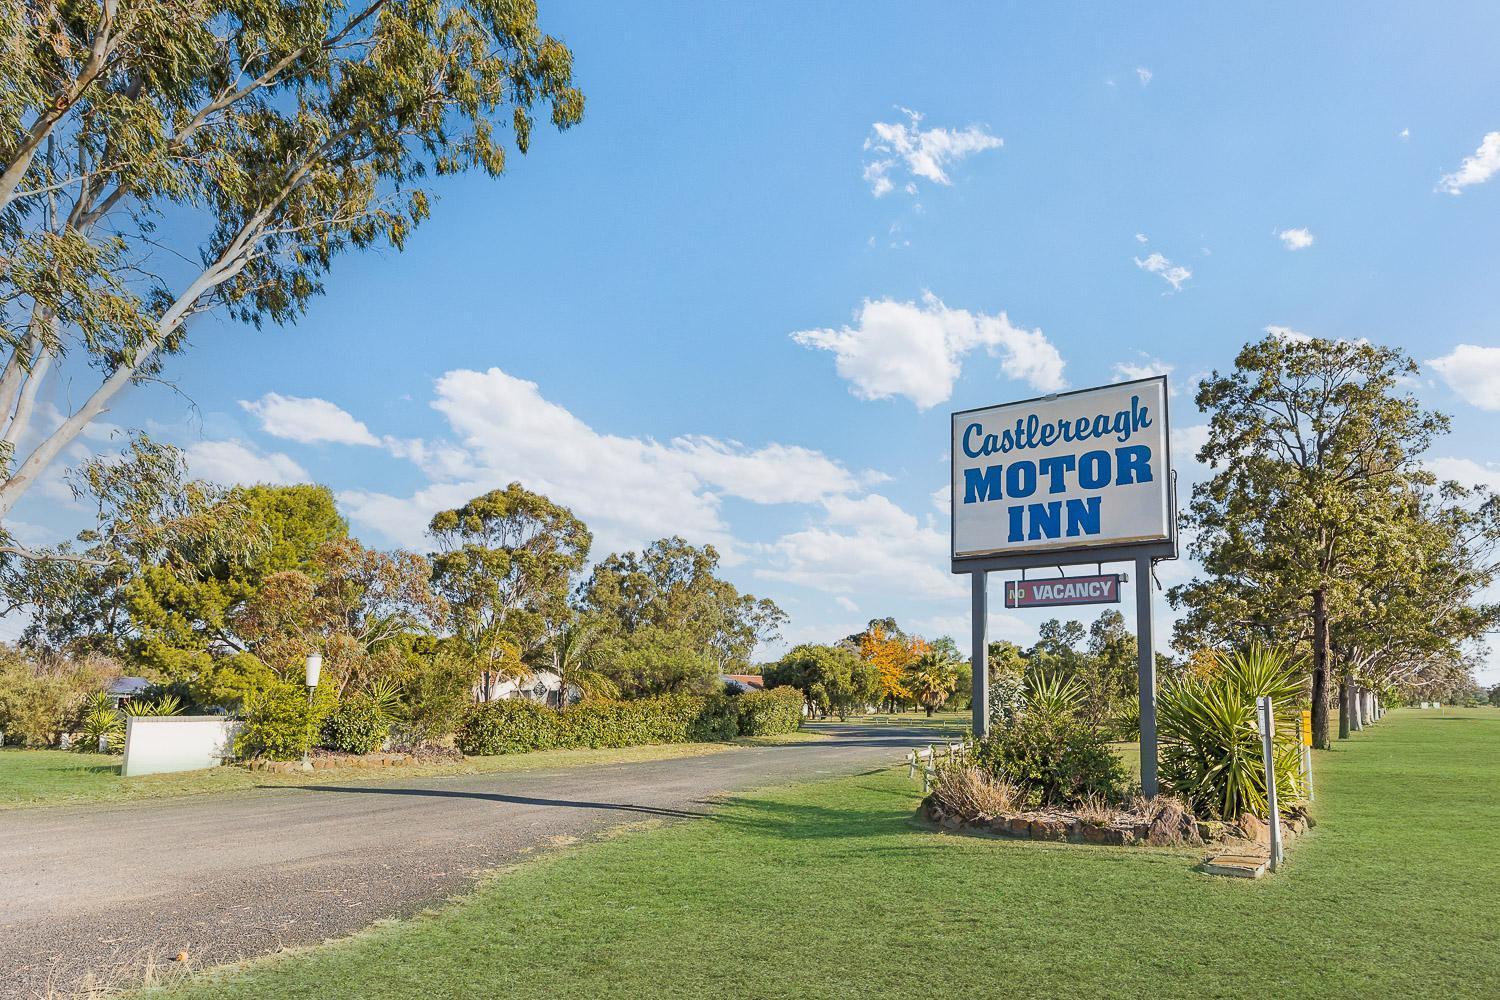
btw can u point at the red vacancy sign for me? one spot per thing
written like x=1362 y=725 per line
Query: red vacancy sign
x=1062 y=591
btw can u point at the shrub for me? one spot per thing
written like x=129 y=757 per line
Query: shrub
x=521 y=726
x=40 y=699
x=1210 y=744
x=1054 y=759
x=973 y=793
x=279 y=723
x=438 y=690
x=769 y=713
x=1007 y=695
x=356 y=726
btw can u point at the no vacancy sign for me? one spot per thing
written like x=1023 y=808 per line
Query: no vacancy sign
x=1060 y=592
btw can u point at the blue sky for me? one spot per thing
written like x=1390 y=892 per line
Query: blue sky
x=738 y=302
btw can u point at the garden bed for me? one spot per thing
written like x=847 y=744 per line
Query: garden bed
x=327 y=759
x=1120 y=828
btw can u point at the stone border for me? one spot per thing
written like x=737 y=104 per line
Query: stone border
x=324 y=761
x=1067 y=828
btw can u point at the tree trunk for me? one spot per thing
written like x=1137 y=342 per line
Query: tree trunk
x=1344 y=713
x=1357 y=703
x=1320 y=670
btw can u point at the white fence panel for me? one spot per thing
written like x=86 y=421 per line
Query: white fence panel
x=158 y=743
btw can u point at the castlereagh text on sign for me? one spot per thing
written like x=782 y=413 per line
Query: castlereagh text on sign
x=1080 y=470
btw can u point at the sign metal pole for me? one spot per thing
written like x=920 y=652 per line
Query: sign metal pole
x=980 y=625
x=1146 y=670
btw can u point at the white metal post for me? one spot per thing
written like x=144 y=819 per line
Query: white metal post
x=1267 y=727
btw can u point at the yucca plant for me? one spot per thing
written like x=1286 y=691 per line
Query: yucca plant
x=103 y=726
x=1210 y=743
x=167 y=704
x=385 y=694
x=1054 y=696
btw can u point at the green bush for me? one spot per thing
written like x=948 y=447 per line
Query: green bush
x=769 y=713
x=1054 y=759
x=356 y=726
x=1211 y=751
x=521 y=726
x=279 y=723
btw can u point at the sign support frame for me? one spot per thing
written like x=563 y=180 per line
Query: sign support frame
x=1142 y=554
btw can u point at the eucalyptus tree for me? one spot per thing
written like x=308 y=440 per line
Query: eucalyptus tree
x=1313 y=444
x=673 y=587
x=1423 y=617
x=163 y=158
x=504 y=565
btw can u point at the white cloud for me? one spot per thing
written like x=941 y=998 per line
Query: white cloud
x=1172 y=274
x=846 y=604
x=917 y=351
x=307 y=420
x=1140 y=237
x=919 y=152
x=1466 y=471
x=1474 y=169
x=234 y=462
x=865 y=544
x=1287 y=333
x=1187 y=442
x=1146 y=367
x=630 y=490
x=1473 y=372
x=1296 y=239
x=1143 y=74
x=1404 y=134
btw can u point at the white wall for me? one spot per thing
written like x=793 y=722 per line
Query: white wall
x=154 y=744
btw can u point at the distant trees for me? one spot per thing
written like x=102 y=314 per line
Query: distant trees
x=1320 y=525
x=933 y=678
x=274 y=136
x=833 y=679
x=892 y=653
x=669 y=622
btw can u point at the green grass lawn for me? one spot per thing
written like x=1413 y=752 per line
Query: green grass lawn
x=833 y=890
x=60 y=777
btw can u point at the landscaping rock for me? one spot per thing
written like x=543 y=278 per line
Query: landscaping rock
x=1020 y=826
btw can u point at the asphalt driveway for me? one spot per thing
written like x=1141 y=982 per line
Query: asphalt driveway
x=96 y=895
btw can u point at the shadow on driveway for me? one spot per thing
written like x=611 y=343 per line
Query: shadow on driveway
x=521 y=800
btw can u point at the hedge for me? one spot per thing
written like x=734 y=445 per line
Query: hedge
x=521 y=726
x=770 y=713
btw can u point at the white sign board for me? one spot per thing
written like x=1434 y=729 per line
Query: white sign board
x=1079 y=470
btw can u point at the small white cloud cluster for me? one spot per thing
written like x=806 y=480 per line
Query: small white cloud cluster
x=916 y=350
x=899 y=147
x=1474 y=169
x=1296 y=239
x=1172 y=274
x=1144 y=75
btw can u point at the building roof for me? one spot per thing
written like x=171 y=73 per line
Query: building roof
x=755 y=681
x=124 y=687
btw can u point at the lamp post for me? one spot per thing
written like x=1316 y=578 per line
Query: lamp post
x=314 y=667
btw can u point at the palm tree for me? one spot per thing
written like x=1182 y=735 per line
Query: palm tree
x=933 y=679
x=572 y=661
